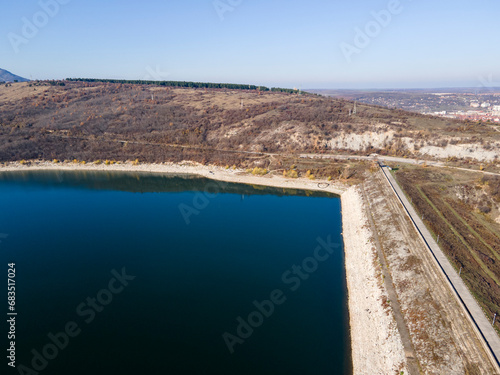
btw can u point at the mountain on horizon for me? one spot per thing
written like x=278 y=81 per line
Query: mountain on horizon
x=6 y=76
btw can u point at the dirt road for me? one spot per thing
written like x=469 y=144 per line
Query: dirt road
x=443 y=337
x=492 y=341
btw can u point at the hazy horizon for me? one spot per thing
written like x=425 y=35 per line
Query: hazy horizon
x=339 y=88
x=314 y=45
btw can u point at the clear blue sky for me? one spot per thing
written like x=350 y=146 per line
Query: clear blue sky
x=286 y=43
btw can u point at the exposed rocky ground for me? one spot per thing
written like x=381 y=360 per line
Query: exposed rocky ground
x=376 y=342
x=88 y=121
x=442 y=336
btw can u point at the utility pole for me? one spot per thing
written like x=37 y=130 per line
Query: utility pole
x=494 y=318
x=460 y=272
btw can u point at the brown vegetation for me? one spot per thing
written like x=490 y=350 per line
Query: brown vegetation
x=90 y=121
x=458 y=207
x=442 y=337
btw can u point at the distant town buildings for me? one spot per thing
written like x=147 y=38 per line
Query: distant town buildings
x=471 y=115
x=465 y=105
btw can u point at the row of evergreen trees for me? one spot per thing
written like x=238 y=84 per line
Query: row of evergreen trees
x=208 y=85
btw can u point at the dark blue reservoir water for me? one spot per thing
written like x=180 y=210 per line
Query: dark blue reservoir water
x=149 y=274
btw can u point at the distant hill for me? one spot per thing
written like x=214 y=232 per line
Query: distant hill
x=6 y=76
x=96 y=120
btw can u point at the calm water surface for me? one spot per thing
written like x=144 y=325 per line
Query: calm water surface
x=192 y=266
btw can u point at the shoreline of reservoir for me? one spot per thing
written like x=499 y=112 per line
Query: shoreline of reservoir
x=376 y=345
x=190 y=168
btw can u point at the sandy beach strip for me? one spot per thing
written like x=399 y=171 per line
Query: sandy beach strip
x=375 y=340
